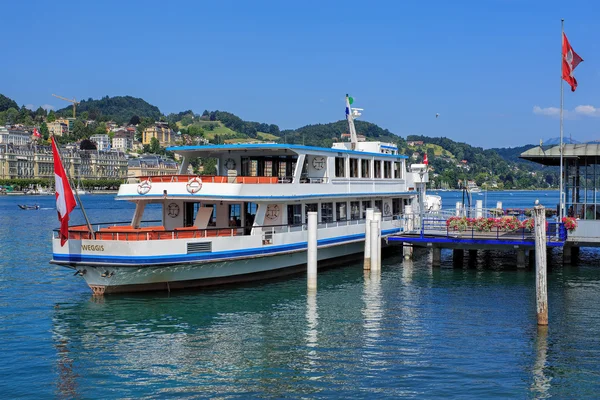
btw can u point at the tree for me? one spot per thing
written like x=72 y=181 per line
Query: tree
x=135 y=120
x=51 y=116
x=274 y=130
x=40 y=114
x=100 y=129
x=6 y=103
x=24 y=116
x=154 y=146
x=11 y=115
x=87 y=144
x=44 y=131
x=80 y=131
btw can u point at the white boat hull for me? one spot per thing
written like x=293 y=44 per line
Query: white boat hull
x=108 y=269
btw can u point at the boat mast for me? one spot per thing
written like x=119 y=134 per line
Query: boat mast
x=351 y=115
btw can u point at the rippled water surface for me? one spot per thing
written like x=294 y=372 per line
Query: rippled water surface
x=414 y=331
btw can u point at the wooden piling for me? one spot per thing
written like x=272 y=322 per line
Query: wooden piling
x=311 y=261
x=541 y=281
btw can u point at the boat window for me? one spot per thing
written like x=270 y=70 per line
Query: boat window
x=341 y=212
x=235 y=215
x=308 y=208
x=268 y=170
x=282 y=169
x=398 y=170
x=294 y=214
x=377 y=168
x=326 y=212
x=365 y=204
x=189 y=215
x=355 y=210
x=378 y=205
x=364 y=167
x=387 y=169
x=354 y=168
x=396 y=206
x=253 y=168
x=340 y=171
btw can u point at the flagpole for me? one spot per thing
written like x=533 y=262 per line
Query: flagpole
x=561 y=213
x=87 y=221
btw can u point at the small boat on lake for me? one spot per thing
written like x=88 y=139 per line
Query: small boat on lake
x=29 y=207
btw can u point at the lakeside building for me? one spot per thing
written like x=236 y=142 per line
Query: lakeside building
x=57 y=128
x=35 y=162
x=102 y=142
x=69 y=122
x=160 y=131
x=122 y=141
x=151 y=165
x=581 y=185
x=17 y=137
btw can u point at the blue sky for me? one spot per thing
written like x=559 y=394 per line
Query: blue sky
x=491 y=69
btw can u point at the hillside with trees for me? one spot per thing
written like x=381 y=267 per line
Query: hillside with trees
x=325 y=134
x=451 y=162
x=119 y=109
x=491 y=168
x=6 y=103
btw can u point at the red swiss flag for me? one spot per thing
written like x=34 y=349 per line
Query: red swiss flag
x=65 y=202
x=570 y=61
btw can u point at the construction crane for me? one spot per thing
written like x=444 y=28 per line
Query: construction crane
x=75 y=102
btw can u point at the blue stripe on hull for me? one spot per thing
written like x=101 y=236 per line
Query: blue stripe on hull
x=206 y=257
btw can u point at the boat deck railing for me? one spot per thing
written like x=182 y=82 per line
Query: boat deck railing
x=148 y=230
x=217 y=179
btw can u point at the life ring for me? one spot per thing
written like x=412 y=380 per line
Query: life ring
x=194 y=185
x=144 y=187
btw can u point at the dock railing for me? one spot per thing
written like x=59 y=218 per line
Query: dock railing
x=484 y=224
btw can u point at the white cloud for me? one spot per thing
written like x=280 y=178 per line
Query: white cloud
x=548 y=111
x=29 y=106
x=579 y=111
x=588 y=111
x=48 y=107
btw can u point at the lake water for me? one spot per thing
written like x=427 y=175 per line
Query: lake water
x=415 y=331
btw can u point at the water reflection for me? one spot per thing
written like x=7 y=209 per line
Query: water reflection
x=372 y=310
x=312 y=322
x=541 y=382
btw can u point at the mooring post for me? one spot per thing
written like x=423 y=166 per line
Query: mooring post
x=541 y=292
x=369 y=218
x=378 y=217
x=375 y=256
x=312 y=250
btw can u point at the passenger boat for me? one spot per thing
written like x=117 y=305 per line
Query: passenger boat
x=472 y=187
x=248 y=221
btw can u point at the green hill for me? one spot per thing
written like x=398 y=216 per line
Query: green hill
x=6 y=103
x=325 y=134
x=119 y=109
